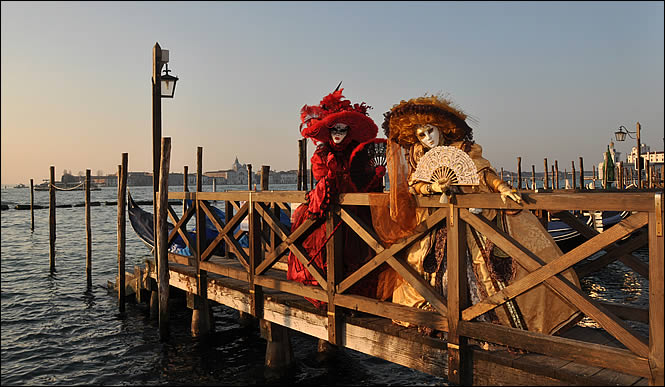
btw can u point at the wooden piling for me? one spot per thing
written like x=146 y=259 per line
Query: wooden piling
x=122 y=199
x=279 y=353
x=556 y=173
x=200 y=313
x=502 y=174
x=519 y=172
x=533 y=177
x=185 y=188
x=303 y=160
x=582 y=186
x=572 y=174
x=88 y=232
x=300 y=171
x=161 y=245
x=593 y=174
x=647 y=174
x=51 y=220
x=32 y=205
x=545 y=175
x=553 y=183
x=249 y=177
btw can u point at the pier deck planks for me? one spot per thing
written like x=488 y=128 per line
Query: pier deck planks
x=380 y=337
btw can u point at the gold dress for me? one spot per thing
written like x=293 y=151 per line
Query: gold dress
x=537 y=310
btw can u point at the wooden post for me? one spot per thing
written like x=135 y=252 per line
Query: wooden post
x=88 y=232
x=311 y=177
x=572 y=174
x=533 y=177
x=647 y=174
x=593 y=174
x=32 y=205
x=458 y=370
x=554 y=184
x=185 y=188
x=656 y=292
x=304 y=164
x=279 y=353
x=51 y=221
x=156 y=136
x=620 y=177
x=556 y=173
x=502 y=174
x=300 y=171
x=201 y=313
x=122 y=199
x=162 y=238
x=519 y=172
x=545 y=176
x=249 y=177
x=582 y=173
x=255 y=258
x=335 y=263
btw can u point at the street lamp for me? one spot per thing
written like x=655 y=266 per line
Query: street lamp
x=620 y=135
x=163 y=86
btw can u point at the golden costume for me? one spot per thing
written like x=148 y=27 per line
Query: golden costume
x=488 y=268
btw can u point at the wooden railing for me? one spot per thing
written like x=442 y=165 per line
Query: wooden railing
x=270 y=242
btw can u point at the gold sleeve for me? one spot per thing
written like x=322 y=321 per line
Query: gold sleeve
x=494 y=182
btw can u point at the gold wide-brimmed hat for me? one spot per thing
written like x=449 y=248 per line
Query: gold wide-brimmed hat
x=401 y=121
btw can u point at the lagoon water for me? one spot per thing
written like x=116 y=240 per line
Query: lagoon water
x=55 y=331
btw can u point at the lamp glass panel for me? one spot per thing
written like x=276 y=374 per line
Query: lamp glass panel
x=620 y=136
x=168 y=88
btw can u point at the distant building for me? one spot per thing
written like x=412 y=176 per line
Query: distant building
x=653 y=158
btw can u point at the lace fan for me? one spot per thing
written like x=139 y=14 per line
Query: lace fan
x=447 y=162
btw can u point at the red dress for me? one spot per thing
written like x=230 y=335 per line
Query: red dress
x=330 y=167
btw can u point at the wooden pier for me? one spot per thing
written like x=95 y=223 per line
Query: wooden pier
x=253 y=281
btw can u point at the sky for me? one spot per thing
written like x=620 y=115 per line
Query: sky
x=541 y=80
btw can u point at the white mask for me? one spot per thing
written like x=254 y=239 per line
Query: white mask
x=339 y=132
x=428 y=135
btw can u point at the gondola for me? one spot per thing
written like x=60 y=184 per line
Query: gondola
x=142 y=223
x=568 y=238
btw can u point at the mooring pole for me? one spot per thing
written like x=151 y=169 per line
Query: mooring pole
x=162 y=237
x=32 y=205
x=572 y=173
x=200 y=325
x=519 y=172
x=582 y=173
x=185 y=188
x=533 y=177
x=51 y=220
x=249 y=177
x=546 y=178
x=122 y=192
x=88 y=232
x=300 y=172
x=156 y=135
x=556 y=172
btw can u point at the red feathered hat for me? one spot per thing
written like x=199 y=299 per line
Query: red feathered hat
x=317 y=120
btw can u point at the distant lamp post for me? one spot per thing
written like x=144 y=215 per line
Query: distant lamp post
x=620 y=135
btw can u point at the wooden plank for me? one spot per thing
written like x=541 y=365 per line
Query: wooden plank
x=613 y=378
x=656 y=292
x=383 y=255
x=225 y=270
x=414 y=279
x=291 y=287
x=531 y=262
x=394 y=311
x=580 y=352
x=635 y=242
x=557 y=283
x=588 y=233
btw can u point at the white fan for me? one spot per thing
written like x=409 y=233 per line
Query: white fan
x=447 y=162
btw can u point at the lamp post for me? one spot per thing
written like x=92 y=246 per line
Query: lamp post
x=620 y=135
x=163 y=86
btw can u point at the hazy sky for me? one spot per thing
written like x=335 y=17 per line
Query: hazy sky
x=541 y=79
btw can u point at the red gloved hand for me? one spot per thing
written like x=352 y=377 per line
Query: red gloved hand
x=380 y=171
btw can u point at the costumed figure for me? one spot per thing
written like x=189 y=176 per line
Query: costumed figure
x=413 y=128
x=340 y=130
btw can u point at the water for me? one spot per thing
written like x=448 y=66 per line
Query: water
x=56 y=331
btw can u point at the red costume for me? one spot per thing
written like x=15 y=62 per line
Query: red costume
x=334 y=174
